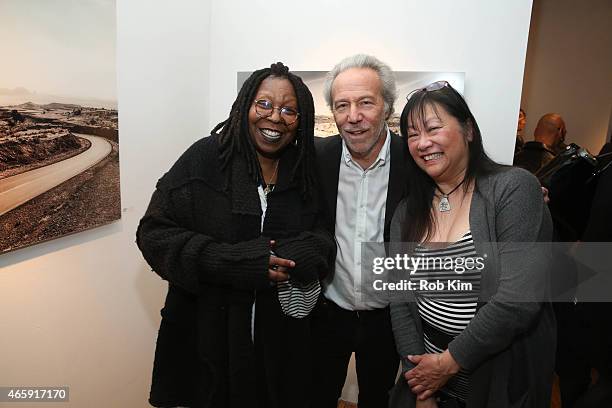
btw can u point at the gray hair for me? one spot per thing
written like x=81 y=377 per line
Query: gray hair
x=387 y=80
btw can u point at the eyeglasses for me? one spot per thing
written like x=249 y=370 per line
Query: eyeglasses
x=264 y=108
x=434 y=86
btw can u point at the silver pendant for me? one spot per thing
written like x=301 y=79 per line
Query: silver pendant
x=268 y=189
x=444 y=205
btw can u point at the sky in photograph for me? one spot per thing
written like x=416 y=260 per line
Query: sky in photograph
x=63 y=48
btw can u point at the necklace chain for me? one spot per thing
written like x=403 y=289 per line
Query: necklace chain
x=444 y=205
x=269 y=189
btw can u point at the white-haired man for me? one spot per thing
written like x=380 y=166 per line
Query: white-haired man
x=362 y=172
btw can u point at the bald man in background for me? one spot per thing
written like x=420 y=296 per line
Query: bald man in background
x=549 y=140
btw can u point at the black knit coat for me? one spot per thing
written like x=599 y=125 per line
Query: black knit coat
x=202 y=233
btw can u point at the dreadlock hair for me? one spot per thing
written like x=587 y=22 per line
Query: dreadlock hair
x=234 y=137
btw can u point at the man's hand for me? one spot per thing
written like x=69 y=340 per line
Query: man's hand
x=545 y=194
x=432 y=371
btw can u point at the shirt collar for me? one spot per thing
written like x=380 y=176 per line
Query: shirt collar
x=383 y=155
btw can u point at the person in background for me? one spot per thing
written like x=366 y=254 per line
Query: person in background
x=606 y=148
x=234 y=228
x=598 y=315
x=480 y=346
x=549 y=137
x=520 y=140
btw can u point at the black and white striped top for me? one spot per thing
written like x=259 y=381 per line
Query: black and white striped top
x=446 y=312
x=296 y=300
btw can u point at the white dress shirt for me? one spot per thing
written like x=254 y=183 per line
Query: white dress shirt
x=360 y=217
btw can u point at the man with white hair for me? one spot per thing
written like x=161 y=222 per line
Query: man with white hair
x=363 y=176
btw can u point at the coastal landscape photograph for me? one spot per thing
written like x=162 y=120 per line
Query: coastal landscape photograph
x=59 y=138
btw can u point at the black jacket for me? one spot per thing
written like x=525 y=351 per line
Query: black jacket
x=533 y=156
x=202 y=233
x=329 y=152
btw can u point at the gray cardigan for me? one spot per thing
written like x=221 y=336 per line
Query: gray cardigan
x=509 y=345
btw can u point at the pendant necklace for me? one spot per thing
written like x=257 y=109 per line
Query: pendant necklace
x=269 y=186
x=444 y=205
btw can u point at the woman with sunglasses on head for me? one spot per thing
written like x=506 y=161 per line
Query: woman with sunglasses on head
x=490 y=343
x=234 y=228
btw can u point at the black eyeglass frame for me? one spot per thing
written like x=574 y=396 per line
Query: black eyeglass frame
x=280 y=111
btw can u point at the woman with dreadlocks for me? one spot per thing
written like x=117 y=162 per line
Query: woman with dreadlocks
x=234 y=227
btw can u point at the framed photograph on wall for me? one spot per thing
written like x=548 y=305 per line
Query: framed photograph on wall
x=59 y=139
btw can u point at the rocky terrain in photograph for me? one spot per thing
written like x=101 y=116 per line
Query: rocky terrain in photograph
x=87 y=200
x=325 y=125
x=33 y=136
x=394 y=124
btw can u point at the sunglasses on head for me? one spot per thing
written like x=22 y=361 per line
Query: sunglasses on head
x=434 y=86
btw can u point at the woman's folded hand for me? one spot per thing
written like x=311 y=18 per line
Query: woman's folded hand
x=432 y=371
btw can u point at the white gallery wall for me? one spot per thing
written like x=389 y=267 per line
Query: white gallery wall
x=83 y=311
x=485 y=39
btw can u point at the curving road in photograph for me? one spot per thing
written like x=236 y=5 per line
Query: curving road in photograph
x=18 y=189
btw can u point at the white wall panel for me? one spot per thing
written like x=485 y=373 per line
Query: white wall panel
x=83 y=310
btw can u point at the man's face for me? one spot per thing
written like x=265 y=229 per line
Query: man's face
x=522 y=120
x=359 y=111
x=562 y=133
x=559 y=140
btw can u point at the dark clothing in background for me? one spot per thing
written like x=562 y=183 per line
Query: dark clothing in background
x=607 y=148
x=598 y=315
x=519 y=144
x=533 y=156
x=559 y=148
x=599 y=229
x=585 y=329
